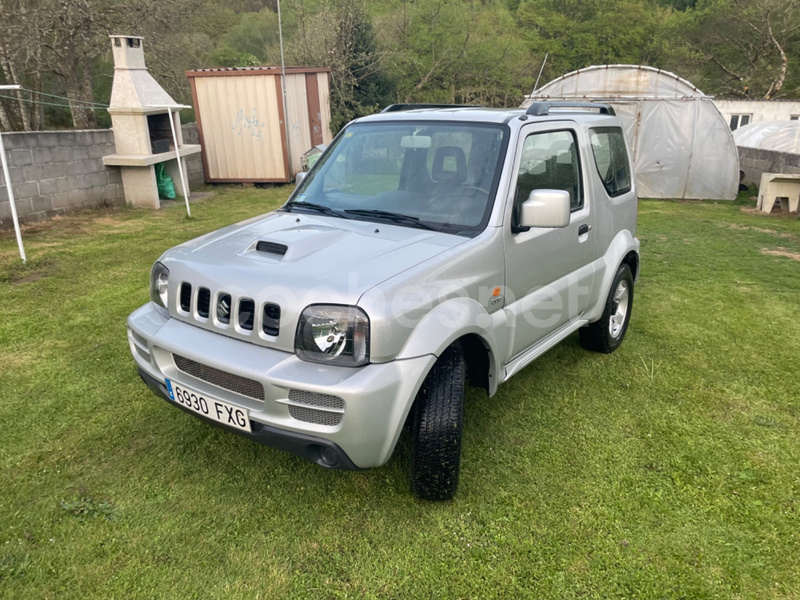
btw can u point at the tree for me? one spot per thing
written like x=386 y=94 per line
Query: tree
x=20 y=57
x=252 y=41
x=60 y=43
x=742 y=47
x=456 y=51
x=338 y=34
x=581 y=33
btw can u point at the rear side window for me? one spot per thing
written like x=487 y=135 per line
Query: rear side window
x=611 y=159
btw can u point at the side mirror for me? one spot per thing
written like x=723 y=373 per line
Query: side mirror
x=298 y=179
x=545 y=208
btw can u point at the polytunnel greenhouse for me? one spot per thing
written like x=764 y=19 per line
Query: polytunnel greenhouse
x=681 y=145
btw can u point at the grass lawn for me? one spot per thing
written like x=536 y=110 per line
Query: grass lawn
x=670 y=469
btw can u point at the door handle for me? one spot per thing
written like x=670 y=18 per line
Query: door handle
x=584 y=229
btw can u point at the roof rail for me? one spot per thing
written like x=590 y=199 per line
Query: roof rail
x=417 y=106
x=542 y=109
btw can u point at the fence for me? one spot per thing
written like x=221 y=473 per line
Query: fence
x=54 y=172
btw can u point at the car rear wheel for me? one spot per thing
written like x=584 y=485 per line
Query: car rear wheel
x=436 y=428
x=606 y=334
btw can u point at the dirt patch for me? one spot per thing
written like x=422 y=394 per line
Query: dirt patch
x=775 y=214
x=738 y=227
x=28 y=278
x=781 y=252
x=16 y=273
x=780 y=234
x=77 y=222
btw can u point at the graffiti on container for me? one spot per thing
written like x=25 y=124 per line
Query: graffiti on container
x=244 y=125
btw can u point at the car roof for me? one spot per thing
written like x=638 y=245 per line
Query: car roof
x=479 y=114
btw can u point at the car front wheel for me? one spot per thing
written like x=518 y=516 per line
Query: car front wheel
x=436 y=428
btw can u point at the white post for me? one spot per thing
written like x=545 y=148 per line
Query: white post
x=184 y=181
x=536 y=85
x=283 y=87
x=11 y=201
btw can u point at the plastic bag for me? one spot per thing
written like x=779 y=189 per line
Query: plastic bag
x=166 y=187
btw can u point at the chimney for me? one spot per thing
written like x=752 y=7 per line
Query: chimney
x=133 y=86
x=146 y=124
x=128 y=52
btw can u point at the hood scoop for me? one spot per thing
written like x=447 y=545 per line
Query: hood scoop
x=294 y=244
x=271 y=248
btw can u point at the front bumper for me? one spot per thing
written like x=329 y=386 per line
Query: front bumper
x=376 y=398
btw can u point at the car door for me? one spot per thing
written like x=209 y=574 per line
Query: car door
x=549 y=271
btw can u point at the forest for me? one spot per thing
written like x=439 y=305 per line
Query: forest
x=485 y=52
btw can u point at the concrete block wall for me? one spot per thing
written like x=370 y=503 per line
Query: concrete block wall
x=54 y=172
x=194 y=164
x=754 y=162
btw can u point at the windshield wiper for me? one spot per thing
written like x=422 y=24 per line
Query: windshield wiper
x=327 y=210
x=389 y=216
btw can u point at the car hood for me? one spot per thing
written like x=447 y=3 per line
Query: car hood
x=294 y=260
x=302 y=251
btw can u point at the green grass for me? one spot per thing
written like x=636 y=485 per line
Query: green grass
x=670 y=469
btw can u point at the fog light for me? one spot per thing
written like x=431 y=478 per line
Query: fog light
x=329 y=456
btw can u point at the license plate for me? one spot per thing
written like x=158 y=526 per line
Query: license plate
x=214 y=409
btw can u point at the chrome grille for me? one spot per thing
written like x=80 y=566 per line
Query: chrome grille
x=234 y=383
x=200 y=304
x=318 y=417
x=318 y=400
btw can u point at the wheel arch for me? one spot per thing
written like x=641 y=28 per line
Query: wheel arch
x=465 y=322
x=632 y=260
x=479 y=360
x=624 y=249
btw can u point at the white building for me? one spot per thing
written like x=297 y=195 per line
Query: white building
x=741 y=112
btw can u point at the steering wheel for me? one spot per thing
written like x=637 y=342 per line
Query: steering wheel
x=458 y=202
x=462 y=191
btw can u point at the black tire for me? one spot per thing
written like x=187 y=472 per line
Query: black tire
x=606 y=334
x=436 y=429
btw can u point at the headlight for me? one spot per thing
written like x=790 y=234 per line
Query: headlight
x=159 y=277
x=334 y=335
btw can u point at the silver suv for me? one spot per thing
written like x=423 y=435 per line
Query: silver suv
x=428 y=248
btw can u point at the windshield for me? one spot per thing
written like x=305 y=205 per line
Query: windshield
x=430 y=175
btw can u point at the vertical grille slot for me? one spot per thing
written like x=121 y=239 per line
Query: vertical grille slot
x=272 y=319
x=186 y=297
x=224 y=308
x=246 y=313
x=203 y=302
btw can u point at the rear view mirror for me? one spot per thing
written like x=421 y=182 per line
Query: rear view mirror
x=545 y=208
x=415 y=141
x=298 y=179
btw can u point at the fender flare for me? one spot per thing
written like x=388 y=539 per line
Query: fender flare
x=452 y=320
x=623 y=244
